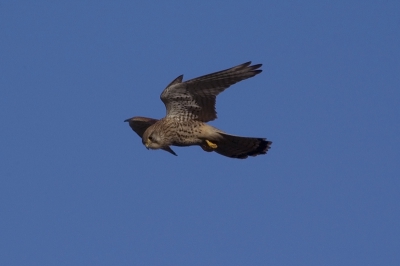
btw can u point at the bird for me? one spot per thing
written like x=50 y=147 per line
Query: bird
x=190 y=105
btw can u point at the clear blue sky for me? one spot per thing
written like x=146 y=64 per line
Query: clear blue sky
x=79 y=188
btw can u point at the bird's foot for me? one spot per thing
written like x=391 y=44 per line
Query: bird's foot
x=211 y=145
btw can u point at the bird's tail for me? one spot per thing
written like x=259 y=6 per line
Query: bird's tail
x=241 y=147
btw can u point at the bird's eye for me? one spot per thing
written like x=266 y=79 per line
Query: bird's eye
x=151 y=138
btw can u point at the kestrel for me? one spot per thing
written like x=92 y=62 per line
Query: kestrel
x=190 y=104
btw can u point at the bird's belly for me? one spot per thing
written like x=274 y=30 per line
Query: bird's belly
x=184 y=138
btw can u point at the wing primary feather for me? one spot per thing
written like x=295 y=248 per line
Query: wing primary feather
x=168 y=149
x=176 y=81
x=194 y=99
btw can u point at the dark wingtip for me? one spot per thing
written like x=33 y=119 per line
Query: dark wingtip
x=168 y=149
x=254 y=69
x=172 y=152
x=258 y=71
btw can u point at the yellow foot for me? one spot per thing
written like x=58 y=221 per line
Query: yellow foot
x=211 y=145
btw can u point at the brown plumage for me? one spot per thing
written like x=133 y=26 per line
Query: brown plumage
x=189 y=105
x=242 y=147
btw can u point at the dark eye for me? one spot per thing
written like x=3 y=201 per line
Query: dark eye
x=151 y=138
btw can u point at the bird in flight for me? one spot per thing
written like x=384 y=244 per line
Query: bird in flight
x=190 y=104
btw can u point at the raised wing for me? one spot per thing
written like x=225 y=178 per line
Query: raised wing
x=195 y=99
x=139 y=124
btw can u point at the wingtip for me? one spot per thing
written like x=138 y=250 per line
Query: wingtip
x=176 y=81
x=168 y=149
x=251 y=68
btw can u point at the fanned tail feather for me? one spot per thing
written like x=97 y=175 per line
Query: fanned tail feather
x=242 y=147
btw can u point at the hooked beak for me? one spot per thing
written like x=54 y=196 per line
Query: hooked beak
x=146 y=144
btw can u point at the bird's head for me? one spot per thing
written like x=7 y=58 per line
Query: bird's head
x=152 y=139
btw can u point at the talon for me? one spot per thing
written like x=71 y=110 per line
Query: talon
x=206 y=148
x=211 y=145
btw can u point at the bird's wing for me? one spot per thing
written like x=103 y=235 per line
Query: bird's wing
x=195 y=99
x=140 y=124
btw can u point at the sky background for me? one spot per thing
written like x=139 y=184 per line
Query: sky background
x=77 y=187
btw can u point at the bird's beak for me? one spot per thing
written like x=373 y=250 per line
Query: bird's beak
x=146 y=144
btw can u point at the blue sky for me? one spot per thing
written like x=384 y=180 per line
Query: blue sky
x=79 y=188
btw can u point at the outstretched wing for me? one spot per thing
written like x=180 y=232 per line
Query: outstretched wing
x=195 y=99
x=139 y=124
